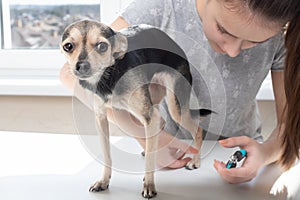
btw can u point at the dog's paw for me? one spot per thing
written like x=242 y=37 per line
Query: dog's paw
x=193 y=164
x=99 y=186
x=149 y=191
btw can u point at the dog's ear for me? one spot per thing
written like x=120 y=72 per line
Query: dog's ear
x=120 y=46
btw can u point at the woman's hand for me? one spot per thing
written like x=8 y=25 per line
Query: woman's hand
x=256 y=157
x=67 y=78
x=171 y=151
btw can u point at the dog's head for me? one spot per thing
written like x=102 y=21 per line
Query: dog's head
x=90 y=47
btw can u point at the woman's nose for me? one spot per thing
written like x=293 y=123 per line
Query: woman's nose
x=233 y=48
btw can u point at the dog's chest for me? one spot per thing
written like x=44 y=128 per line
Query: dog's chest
x=105 y=85
x=99 y=106
x=110 y=95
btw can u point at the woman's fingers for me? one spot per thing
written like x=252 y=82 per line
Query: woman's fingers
x=240 y=141
x=179 y=163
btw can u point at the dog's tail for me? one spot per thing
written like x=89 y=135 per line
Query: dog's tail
x=201 y=112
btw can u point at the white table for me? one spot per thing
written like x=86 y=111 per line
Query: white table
x=37 y=166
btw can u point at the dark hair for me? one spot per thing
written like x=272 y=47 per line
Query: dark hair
x=284 y=12
x=275 y=10
x=278 y=11
x=291 y=134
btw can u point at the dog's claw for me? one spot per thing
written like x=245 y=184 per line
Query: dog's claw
x=99 y=186
x=193 y=164
x=191 y=167
x=149 y=191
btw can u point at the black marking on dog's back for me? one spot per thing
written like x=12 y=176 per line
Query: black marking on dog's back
x=113 y=74
x=146 y=47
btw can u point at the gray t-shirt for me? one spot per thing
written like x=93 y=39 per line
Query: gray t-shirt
x=226 y=85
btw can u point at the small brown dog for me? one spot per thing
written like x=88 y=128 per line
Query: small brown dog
x=118 y=67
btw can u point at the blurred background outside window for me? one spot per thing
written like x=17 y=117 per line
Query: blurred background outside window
x=39 y=24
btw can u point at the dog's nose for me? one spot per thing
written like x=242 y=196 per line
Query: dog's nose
x=83 y=67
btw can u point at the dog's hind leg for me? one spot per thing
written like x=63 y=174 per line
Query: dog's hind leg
x=103 y=131
x=196 y=160
x=183 y=117
x=178 y=105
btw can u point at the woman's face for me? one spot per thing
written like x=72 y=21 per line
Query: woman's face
x=230 y=31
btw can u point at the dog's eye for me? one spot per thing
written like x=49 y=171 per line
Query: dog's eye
x=102 y=47
x=68 y=47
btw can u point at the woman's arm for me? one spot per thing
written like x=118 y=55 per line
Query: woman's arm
x=259 y=154
x=273 y=143
x=119 y=24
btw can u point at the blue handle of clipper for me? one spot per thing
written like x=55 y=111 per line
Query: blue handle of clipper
x=244 y=152
x=235 y=158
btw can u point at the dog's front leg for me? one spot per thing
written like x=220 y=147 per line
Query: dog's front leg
x=152 y=129
x=103 y=131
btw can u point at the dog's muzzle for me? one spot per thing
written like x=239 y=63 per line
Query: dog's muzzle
x=83 y=69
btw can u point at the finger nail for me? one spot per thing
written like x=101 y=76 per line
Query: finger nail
x=222 y=141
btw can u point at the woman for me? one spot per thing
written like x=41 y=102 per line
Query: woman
x=245 y=41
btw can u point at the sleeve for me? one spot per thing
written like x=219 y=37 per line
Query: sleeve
x=150 y=12
x=279 y=59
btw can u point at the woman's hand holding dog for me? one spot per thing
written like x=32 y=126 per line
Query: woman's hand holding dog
x=171 y=151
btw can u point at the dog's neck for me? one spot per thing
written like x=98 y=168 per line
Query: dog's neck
x=102 y=85
x=105 y=83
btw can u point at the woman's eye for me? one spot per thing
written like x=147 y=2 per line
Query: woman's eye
x=221 y=30
x=102 y=47
x=68 y=47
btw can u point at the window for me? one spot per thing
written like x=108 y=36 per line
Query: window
x=30 y=32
